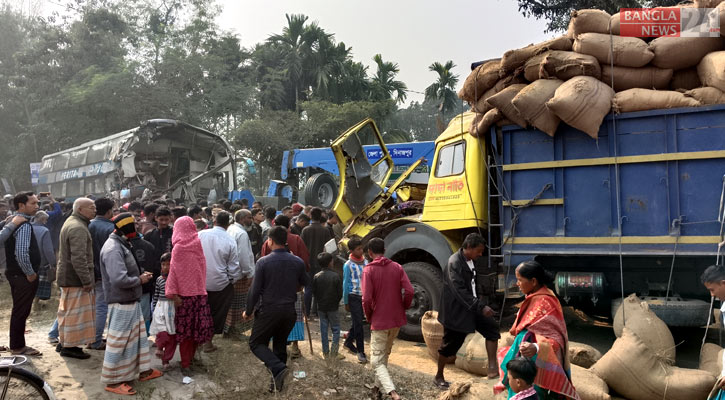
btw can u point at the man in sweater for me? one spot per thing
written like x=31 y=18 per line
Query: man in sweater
x=383 y=282
x=100 y=228
x=77 y=306
x=315 y=235
x=327 y=289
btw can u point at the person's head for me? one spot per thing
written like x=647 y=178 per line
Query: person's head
x=257 y=204
x=245 y=203
x=522 y=372
x=355 y=246
x=165 y=263
x=223 y=219
x=257 y=215
x=297 y=209
x=315 y=214
x=206 y=212
x=41 y=217
x=281 y=220
x=714 y=280
x=125 y=225
x=531 y=276
x=332 y=218
x=104 y=207
x=324 y=260
x=302 y=220
x=376 y=248
x=234 y=208
x=473 y=246
x=194 y=212
x=85 y=207
x=277 y=237
x=203 y=203
x=243 y=217
x=134 y=207
x=178 y=212
x=200 y=225
x=4 y=208
x=163 y=217
x=170 y=203
x=270 y=213
x=288 y=212
x=149 y=211
x=307 y=210
x=27 y=203
x=227 y=205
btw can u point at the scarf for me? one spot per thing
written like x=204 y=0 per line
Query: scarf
x=187 y=273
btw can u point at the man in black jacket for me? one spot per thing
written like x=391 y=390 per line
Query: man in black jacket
x=461 y=311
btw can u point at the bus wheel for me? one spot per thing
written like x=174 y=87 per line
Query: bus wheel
x=427 y=281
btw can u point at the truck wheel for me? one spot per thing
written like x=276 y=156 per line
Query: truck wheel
x=321 y=191
x=427 y=281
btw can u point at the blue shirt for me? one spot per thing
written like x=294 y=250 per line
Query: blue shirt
x=351 y=278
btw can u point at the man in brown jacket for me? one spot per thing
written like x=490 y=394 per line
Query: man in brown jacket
x=77 y=307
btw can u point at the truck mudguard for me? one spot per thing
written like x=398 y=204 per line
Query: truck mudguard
x=420 y=237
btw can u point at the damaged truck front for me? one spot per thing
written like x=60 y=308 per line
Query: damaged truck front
x=159 y=158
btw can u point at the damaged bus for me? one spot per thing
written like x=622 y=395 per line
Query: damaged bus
x=159 y=158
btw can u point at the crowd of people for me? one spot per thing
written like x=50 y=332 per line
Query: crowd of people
x=185 y=274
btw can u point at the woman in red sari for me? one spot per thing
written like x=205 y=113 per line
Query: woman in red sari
x=541 y=334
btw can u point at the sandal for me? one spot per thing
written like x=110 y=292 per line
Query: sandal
x=123 y=389
x=155 y=373
x=27 y=351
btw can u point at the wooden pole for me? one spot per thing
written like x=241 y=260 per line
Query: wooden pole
x=307 y=324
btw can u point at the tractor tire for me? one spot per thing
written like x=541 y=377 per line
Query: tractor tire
x=427 y=281
x=321 y=191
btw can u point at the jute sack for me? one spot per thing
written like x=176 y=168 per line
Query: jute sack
x=481 y=106
x=614 y=24
x=561 y=65
x=585 y=21
x=480 y=80
x=707 y=3
x=432 y=333
x=682 y=52
x=707 y=95
x=472 y=356
x=685 y=79
x=629 y=78
x=506 y=339
x=502 y=101
x=711 y=70
x=582 y=102
x=483 y=122
x=583 y=355
x=645 y=99
x=631 y=369
x=514 y=59
x=643 y=322
x=588 y=385
x=711 y=359
x=628 y=51
x=530 y=102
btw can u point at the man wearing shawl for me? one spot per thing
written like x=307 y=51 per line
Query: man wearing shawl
x=186 y=285
x=127 y=355
x=541 y=334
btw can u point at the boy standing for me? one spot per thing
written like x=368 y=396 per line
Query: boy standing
x=327 y=289
x=352 y=273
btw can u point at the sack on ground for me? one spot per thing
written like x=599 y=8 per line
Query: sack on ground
x=502 y=101
x=472 y=356
x=685 y=79
x=514 y=59
x=506 y=340
x=583 y=355
x=643 y=322
x=530 y=102
x=633 y=371
x=561 y=65
x=628 y=51
x=682 y=52
x=629 y=78
x=711 y=70
x=584 y=21
x=707 y=96
x=432 y=333
x=482 y=123
x=582 y=102
x=588 y=385
x=480 y=80
x=646 y=99
x=711 y=359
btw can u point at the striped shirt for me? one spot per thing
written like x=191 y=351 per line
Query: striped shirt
x=351 y=278
x=22 y=246
x=159 y=291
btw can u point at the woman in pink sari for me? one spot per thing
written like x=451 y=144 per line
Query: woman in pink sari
x=186 y=285
x=541 y=335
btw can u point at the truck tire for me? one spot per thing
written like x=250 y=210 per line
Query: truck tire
x=320 y=191
x=427 y=281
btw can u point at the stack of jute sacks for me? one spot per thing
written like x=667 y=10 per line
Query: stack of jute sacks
x=582 y=76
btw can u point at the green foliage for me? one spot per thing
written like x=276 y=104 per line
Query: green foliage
x=557 y=12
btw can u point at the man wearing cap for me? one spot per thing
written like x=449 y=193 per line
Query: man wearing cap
x=77 y=306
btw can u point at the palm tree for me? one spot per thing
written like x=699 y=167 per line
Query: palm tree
x=443 y=90
x=295 y=47
x=384 y=83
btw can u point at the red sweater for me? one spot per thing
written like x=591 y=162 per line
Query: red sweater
x=296 y=246
x=382 y=282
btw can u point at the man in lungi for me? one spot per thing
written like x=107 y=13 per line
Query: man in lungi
x=77 y=306
x=127 y=355
x=246 y=264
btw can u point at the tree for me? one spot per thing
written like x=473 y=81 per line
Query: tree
x=383 y=85
x=294 y=45
x=443 y=90
x=558 y=12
